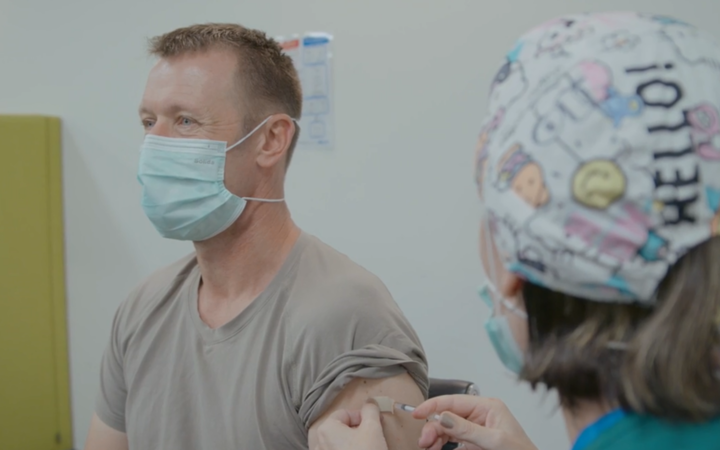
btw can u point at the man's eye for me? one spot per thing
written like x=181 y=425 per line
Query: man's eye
x=148 y=123
x=186 y=121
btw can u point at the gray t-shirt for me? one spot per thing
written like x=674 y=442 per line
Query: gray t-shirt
x=258 y=382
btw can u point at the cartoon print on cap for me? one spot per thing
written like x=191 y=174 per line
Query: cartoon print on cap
x=531 y=263
x=622 y=236
x=595 y=78
x=664 y=19
x=511 y=77
x=559 y=33
x=584 y=93
x=615 y=121
x=690 y=46
x=506 y=242
x=621 y=40
x=524 y=176
x=481 y=150
x=503 y=234
x=598 y=184
x=514 y=54
x=704 y=122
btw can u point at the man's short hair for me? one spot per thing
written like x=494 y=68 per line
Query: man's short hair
x=267 y=76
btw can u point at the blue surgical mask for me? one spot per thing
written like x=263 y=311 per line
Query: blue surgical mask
x=184 y=193
x=500 y=333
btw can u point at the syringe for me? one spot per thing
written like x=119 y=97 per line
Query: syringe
x=408 y=408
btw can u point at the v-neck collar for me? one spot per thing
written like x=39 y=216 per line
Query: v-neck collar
x=236 y=324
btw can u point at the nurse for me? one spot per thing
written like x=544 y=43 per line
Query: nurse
x=599 y=174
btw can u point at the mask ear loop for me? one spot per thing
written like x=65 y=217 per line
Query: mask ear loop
x=264 y=200
x=492 y=276
x=227 y=149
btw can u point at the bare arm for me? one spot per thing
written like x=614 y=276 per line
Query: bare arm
x=103 y=437
x=401 y=430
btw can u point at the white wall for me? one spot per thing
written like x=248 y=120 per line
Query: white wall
x=397 y=194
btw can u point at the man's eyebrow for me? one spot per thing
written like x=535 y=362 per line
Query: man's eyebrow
x=172 y=109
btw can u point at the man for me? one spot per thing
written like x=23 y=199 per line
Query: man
x=264 y=331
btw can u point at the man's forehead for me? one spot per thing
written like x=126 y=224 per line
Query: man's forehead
x=191 y=81
x=198 y=69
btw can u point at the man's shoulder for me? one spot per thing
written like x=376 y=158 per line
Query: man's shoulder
x=326 y=270
x=330 y=288
x=154 y=289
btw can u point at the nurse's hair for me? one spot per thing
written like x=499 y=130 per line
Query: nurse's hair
x=662 y=361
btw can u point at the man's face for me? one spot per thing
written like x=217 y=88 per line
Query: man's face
x=197 y=96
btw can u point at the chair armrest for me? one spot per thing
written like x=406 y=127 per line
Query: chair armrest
x=440 y=387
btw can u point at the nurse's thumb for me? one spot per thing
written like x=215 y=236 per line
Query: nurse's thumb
x=461 y=430
x=370 y=415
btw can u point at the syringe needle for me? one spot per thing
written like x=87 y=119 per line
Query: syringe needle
x=408 y=408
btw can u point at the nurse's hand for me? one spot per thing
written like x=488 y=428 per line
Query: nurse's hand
x=480 y=423
x=352 y=430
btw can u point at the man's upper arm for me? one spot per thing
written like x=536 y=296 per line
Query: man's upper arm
x=103 y=437
x=401 y=430
x=111 y=397
x=351 y=341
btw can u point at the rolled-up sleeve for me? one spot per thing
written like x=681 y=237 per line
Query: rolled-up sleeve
x=372 y=362
x=361 y=334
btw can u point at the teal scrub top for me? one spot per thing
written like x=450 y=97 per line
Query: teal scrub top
x=620 y=430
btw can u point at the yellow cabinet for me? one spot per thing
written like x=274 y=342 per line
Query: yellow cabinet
x=34 y=385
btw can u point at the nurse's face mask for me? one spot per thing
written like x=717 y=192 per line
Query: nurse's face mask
x=497 y=326
x=183 y=187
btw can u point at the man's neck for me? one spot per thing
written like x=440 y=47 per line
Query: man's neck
x=582 y=416
x=238 y=264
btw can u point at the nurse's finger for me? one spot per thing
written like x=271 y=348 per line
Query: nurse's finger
x=461 y=430
x=433 y=437
x=346 y=417
x=370 y=416
x=431 y=433
x=462 y=405
x=438 y=445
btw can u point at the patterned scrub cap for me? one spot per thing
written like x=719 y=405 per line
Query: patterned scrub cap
x=599 y=164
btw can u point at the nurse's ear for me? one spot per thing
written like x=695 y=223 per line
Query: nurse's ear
x=511 y=286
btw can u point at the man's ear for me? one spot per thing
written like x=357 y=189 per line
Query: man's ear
x=278 y=135
x=512 y=286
